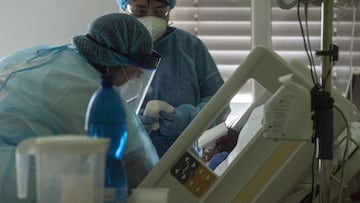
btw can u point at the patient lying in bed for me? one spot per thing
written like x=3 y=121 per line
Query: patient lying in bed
x=219 y=142
x=216 y=151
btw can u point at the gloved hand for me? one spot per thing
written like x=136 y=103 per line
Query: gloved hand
x=148 y=122
x=174 y=123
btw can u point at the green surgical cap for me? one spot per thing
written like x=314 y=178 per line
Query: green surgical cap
x=114 y=40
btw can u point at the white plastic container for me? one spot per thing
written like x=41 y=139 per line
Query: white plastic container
x=69 y=168
x=149 y=195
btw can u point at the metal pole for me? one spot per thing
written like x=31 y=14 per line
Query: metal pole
x=326 y=34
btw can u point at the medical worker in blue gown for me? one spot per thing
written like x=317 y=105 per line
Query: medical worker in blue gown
x=45 y=91
x=187 y=75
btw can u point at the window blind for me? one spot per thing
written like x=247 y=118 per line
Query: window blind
x=225 y=28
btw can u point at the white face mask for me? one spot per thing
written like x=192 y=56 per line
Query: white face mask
x=156 y=26
x=130 y=91
x=134 y=90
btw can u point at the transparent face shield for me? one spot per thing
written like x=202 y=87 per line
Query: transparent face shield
x=134 y=91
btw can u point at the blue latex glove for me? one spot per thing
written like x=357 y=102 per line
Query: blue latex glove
x=174 y=123
x=217 y=159
x=147 y=122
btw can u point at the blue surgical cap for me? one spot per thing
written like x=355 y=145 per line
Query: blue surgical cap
x=115 y=40
x=124 y=3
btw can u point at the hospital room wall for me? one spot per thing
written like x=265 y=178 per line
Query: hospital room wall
x=26 y=23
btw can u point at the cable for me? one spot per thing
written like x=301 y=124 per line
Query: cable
x=352 y=140
x=349 y=85
x=342 y=169
x=328 y=74
x=312 y=68
x=308 y=51
x=332 y=53
x=314 y=170
x=311 y=59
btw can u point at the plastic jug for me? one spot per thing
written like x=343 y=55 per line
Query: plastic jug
x=69 y=168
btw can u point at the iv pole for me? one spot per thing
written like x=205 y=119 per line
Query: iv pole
x=325 y=145
x=261 y=15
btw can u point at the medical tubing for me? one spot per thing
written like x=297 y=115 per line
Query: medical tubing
x=40 y=53
x=306 y=44
x=345 y=154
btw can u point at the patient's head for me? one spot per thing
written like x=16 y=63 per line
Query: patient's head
x=225 y=143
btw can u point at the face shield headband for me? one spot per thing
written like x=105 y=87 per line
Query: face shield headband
x=145 y=61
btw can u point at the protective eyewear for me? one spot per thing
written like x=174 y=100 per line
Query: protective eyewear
x=137 y=11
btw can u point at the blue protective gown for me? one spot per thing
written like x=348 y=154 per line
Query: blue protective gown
x=50 y=97
x=187 y=74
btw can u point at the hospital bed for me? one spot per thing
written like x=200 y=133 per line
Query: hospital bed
x=271 y=158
